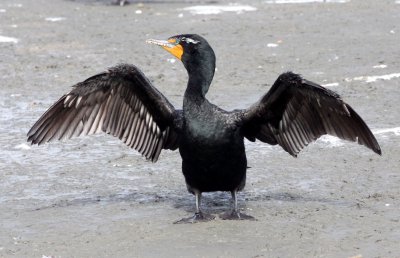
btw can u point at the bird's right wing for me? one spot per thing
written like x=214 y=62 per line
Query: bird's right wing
x=121 y=102
x=296 y=112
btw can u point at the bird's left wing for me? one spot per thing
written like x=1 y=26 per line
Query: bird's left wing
x=295 y=112
x=121 y=102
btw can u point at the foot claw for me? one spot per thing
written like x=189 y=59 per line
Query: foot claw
x=235 y=215
x=197 y=217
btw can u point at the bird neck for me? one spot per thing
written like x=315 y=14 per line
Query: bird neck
x=200 y=78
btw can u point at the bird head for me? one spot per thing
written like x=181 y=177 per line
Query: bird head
x=189 y=48
x=196 y=55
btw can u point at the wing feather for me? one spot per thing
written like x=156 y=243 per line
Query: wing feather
x=121 y=102
x=296 y=112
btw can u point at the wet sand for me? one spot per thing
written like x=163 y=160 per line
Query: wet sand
x=94 y=197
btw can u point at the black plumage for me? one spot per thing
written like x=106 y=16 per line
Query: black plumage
x=123 y=102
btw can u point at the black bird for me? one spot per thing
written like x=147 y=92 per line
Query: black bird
x=124 y=103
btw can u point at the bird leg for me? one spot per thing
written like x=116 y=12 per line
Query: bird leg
x=235 y=214
x=199 y=216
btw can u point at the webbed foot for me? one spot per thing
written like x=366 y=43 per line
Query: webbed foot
x=197 y=217
x=236 y=215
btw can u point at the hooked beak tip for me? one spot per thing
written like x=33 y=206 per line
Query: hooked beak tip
x=162 y=43
x=150 y=41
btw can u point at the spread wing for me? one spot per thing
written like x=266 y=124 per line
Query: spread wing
x=295 y=112
x=121 y=102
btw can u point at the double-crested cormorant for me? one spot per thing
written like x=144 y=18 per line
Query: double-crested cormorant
x=124 y=103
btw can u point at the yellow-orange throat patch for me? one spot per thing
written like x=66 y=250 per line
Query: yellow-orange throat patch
x=176 y=50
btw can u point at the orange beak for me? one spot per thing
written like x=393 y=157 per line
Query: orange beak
x=170 y=45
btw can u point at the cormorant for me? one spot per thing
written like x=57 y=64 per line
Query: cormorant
x=123 y=102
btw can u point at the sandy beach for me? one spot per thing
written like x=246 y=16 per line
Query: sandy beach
x=95 y=197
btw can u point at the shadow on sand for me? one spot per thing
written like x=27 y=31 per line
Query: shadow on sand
x=215 y=202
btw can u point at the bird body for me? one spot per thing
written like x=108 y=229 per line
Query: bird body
x=124 y=103
x=212 y=149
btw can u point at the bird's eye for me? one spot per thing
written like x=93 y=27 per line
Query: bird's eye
x=174 y=41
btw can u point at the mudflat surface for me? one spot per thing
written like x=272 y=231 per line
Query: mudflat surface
x=94 y=197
